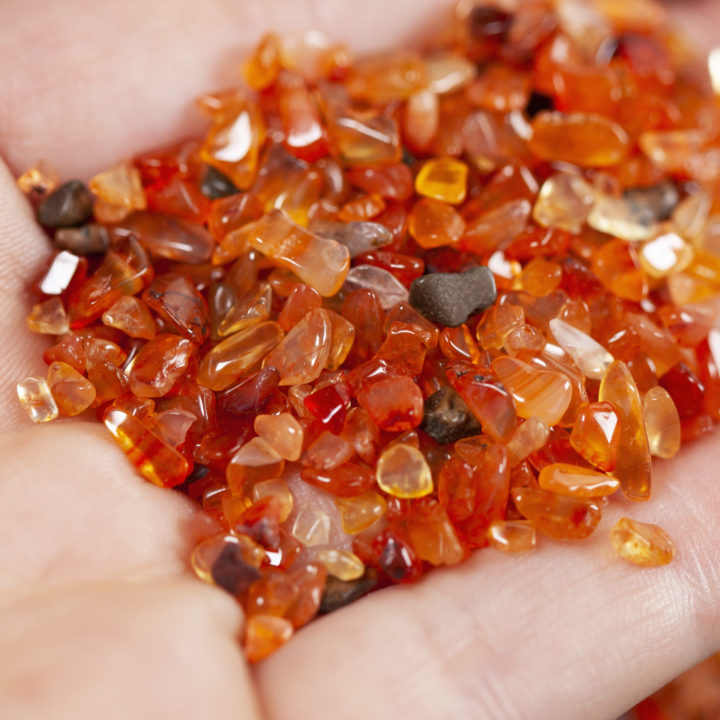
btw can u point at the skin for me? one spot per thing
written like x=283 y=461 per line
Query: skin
x=99 y=615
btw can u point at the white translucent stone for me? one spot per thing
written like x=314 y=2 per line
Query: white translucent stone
x=714 y=67
x=591 y=357
x=616 y=216
x=665 y=254
x=565 y=201
x=385 y=285
x=311 y=526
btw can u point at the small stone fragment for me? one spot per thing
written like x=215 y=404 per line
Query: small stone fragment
x=642 y=543
x=216 y=185
x=443 y=179
x=49 y=318
x=90 y=239
x=512 y=535
x=339 y=593
x=446 y=418
x=403 y=472
x=358 y=236
x=341 y=564
x=450 y=298
x=662 y=423
x=71 y=204
x=37 y=400
x=73 y=393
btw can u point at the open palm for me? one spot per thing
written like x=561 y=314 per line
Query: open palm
x=99 y=614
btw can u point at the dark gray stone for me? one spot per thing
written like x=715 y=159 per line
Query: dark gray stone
x=451 y=298
x=90 y=239
x=654 y=203
x=339 y=593
x=71 y=204
x=447 y=419
x=216 y=184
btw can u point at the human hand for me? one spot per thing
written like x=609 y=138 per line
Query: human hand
x=99 y=615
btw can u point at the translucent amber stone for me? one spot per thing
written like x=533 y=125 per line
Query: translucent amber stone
x=73 y=393
x=159 y=365
x=341 y=564
x=403 y=472
x=662 y=423
x=264 y=634
x=584 y=140
x=443 y=179
x=262 y=67
x=433 y=223
x=156 y=461
x=254 y=462
x=542 y=394
x=488 y=400
x=529 y=437
x=132 y=316
x=311 y=526
x=642 y=543
x=617 y=266
x=38 y=181
x=37 y=400
x=596 y=434
x=360 y=512
x=619 y=217
x=576 y=481
x=512 y=535
x=250 y=309
x=49 y=318
x=233 y=143
x=302 y=354
x=486 y=232
x=328 y=451
x=385 y=78
x=120 y=187
x=564 y=202
x=500 y=89
x=235 y=355
x=169 y=237
x=343 y=337
x=278 y=489
x=283 y=432
x=421 y=119
x=632 y=467
x=394 y=181
x=362 y=208
x=557 y=516
x=301 y=300
x=346 y=480
x=591 y=357
x=394 y=404
x=361 y=138
x=433 y=536
x=177 y=301
x=540 y=277
x=320 y=262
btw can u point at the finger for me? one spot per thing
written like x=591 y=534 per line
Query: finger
x=23 y=248
x=75 y=511
x=124 y=650
x=94 y=82
x=566 y=632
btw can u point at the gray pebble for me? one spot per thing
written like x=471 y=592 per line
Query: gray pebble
x=71 y=204
x=88 y=239
x=339 y=593
x=447 y=419
x=451 y=298
x=358 y=237
x=216 y=185
x=654 y=203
